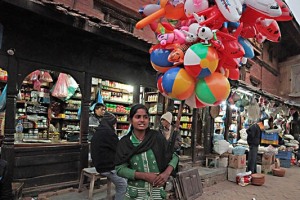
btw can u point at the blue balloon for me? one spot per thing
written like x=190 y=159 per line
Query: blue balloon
x=249 y=52
x=160 y=57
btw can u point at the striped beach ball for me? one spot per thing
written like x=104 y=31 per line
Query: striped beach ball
x=159 y=85
x=193 y=102
x=159 y=60
x=178 y=84
x=201 y=60
x=213 y=89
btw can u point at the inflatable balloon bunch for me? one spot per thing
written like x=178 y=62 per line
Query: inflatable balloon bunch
x=202 y=43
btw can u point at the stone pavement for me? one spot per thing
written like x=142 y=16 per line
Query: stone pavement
x=275 y=188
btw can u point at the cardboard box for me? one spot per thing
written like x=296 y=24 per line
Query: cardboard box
x=268 y=159
x=222 y=162
x=237 y=161
x=231 y=173
x=266 y=169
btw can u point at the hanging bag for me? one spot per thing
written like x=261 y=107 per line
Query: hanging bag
x=60 y=89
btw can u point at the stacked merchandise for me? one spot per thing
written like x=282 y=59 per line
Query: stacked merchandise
x=237 y=163
x=270 y=137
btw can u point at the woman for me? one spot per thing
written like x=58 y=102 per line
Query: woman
x=143 y=159
x=103 y=150
x=168 y=130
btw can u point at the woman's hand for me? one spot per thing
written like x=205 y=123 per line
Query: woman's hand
x=146 y=176
x=161 y=179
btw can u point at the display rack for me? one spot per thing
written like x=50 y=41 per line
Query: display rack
x=32 y=109
x=118 y=98
x=154 y=101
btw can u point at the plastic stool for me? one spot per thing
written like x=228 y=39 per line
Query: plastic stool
x=93 y=175
x=215 y=158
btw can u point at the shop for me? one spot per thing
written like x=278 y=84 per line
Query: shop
x=53 y=146
x=278 y=141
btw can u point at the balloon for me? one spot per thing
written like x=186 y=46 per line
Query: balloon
x=193 y=102
x=214 y=18
x=248 y=48
x=157 y=27
x=269 y=28
x=267 y=7
x=161 y=69
x=234 y=74
x=200 y=60
x=178 y=84
x=177 y=55
x=286 y=13
x=149 y=9
x=166 y=10
x=229 y=9
x=212 y=90
x=177 y=37
x=194 y=6
x=159 y=85
x=160 y=57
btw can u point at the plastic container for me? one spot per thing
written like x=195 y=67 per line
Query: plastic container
x=286 y=155
x=285 y=163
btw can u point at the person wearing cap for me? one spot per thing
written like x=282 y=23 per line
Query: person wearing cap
x=168 y=130
x=103 y=150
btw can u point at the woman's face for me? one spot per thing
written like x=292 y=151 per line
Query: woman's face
x=140 y=120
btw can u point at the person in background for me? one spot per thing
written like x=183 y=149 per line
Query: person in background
x=95 y=118
x=170 y=133
x=103 y=150
x=5 y=182
x=143 y=159
x=253 y=139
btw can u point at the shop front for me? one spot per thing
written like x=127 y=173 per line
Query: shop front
x=53 y=145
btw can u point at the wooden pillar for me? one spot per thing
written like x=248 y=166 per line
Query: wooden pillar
x=84 y=119
x=228 y=120
x=7 y=150
x=194 y=134
x=207 y=130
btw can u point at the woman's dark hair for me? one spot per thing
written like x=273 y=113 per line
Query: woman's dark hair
x=135 y=108
x=98 y=105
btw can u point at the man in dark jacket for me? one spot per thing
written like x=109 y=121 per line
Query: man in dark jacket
x=5 y=184
x=103 y=150
x=253 y=139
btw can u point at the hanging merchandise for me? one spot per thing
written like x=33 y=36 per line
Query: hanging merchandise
x=72 y=87
x=253 y=109
x=34 y=75
x=3 y=99
x=98 y=99
x=37 y=85
x=45 y=77
x=60 y=89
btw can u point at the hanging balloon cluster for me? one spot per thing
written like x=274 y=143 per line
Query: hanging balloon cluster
x=202 y=44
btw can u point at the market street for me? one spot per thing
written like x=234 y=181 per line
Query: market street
x=275 y=188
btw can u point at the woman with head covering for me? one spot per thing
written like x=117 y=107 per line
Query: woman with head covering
x=103 y=151
x=143 y=159
x=170 y=133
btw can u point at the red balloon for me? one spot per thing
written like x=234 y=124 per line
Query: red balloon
x=269 y=28
x=234 y=74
